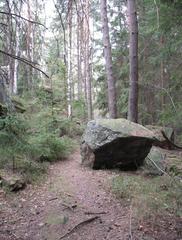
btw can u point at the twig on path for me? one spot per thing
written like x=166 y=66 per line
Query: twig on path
x=95 y=213
x=130 y=230
x=52 y=199
x=79 y=225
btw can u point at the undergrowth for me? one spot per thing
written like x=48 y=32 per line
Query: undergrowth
x=32 y=140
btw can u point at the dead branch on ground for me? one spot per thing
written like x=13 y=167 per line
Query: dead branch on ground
x=79 y=225
x=169 y=141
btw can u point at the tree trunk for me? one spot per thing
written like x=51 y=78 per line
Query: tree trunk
x=10 y=48
x=133 y=58
x=69 y=77
x=87 y=55
x=108 y=61
x=17 y=51
x=79 y=70
x=29 y=47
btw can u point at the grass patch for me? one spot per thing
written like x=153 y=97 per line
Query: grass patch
x=150 y=197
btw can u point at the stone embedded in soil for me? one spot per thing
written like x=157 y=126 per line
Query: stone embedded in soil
x=155 y=163
x=111 y=143
x=13 y=183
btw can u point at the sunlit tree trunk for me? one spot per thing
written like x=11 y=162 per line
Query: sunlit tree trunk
x=88 y=64
x=10 y=47
x=69 y=77
x=79 y=70
x=29 y=48
x=133 y=59
x=108 y=61
x=17 y=51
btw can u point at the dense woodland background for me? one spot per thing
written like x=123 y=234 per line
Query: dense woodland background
x=71 y=54
x=64 y=62
x=96 y=59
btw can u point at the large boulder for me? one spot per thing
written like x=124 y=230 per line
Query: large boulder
x=111 y=143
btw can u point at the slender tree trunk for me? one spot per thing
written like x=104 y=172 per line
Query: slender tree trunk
x=79 y=73
x=17 y=51
x=87 y=56
x=10 y=48
x=29 y=47
x=133 y=58
x=108 y=61
x=69 y=77
x=162 y=73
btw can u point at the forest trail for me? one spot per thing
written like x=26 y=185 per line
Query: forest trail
x=70 y=195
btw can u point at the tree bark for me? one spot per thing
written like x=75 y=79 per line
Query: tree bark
x=69 y=77
x=29 y=47
x=88 y=69
x=133 y=59
x=79 y=70
x=108 y=61
x=85 y=54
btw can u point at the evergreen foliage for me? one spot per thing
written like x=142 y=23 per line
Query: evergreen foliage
x=29 y=140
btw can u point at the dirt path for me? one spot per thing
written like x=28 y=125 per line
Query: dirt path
x=70 y=195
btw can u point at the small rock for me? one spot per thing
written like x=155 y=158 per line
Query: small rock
x=16 y=184
x=117 y=224
x=41 y=224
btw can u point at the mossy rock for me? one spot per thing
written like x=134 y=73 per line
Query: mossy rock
x=3 y=110
x=13 y=183
x=155 y=163
x=56 y=219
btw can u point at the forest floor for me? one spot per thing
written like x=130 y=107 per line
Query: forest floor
x=71 y=203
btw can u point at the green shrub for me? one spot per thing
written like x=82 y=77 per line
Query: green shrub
x=27 y=140
x=49 y=147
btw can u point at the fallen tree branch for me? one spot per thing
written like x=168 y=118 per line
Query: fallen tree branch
x=174 y=178
x=169 y=141
x=95 y=213
x=130 y=226
x=158 y=167
x=79 y=225
x=24 y=61
x=52 y=199
x=23 y=18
